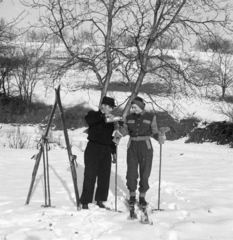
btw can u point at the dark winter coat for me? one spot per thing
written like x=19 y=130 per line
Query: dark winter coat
x=97 y=158
x=99 y=131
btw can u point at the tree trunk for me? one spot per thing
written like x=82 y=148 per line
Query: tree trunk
x=134 y=93
x=108 y=36
x=223 y=91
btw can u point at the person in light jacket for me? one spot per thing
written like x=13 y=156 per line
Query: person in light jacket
x=140 y=126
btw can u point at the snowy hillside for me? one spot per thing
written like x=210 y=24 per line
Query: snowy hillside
x=178 y=107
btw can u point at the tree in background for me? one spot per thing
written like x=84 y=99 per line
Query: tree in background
x=95 y=31
x=89 y=30
x=30 y=70
x=220 y=61
x=148 y=22
x=7 y=61
x=8 y=33
x=214 y=43
x=21 y=65
x=221 y=67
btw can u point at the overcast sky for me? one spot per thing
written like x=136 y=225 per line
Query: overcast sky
x=11 y=9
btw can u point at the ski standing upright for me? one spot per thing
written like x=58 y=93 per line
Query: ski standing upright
x=44 y=148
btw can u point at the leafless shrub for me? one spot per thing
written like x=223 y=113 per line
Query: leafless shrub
x=18 y=139
x=226 y=109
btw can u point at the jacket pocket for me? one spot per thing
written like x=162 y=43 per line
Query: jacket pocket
x=146 y=121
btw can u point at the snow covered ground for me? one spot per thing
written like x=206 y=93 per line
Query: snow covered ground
x=196 y=195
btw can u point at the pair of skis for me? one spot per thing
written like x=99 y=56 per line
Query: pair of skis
x=44 y=152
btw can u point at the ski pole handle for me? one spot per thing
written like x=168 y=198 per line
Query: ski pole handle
x=163 y=130
x=162 y=136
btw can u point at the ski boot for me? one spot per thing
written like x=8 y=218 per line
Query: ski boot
x=132 y=202
x=143 y=208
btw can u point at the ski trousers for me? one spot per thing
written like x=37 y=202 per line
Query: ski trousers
x=97 y=160
x=139 y=157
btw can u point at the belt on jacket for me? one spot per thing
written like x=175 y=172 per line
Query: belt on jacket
x=140 y=138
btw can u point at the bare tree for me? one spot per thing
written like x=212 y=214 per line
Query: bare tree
x=32 y=36
x=86 y=30
x=215 y=43
x=6 y=31
x=127 y=36
x=8 y=64
x=30 y=70
x=147 y=22
x=221 y=68
x=7 y=61
x=220 y=61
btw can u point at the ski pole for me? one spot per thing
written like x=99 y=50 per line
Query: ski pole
x=160 y=166
x=116 y=181
x=47 y=172
x=162 y=130
x=45 y=176
x=116 y=139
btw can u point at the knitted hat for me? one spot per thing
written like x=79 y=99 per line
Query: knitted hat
x=139 y=101
x=109 y=101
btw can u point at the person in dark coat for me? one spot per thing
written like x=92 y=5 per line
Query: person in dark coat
x=98 y=154
x=140 y=126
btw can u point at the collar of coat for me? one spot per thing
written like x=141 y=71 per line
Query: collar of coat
x=141 y=113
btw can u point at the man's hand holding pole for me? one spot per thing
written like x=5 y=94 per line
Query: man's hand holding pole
x=117 y=137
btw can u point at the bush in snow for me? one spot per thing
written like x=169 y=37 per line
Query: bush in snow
x=219 y=132
x=17 y=138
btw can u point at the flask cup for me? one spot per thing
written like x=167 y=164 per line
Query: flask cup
x=114 y=119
